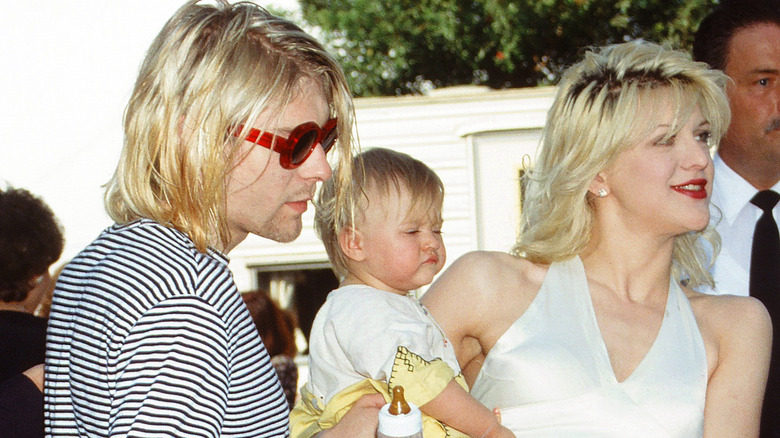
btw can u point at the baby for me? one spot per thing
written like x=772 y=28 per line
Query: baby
x=372 y=333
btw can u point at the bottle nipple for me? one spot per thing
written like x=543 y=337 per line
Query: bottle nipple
x=399 y=405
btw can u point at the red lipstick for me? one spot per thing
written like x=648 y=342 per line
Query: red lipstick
x=695 y=188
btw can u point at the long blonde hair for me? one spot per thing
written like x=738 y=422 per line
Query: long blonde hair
x=595 y=116
x=212 y=67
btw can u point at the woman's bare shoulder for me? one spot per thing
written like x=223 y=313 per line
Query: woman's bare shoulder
x=495 y=272
x=730 y=315
x=487 y=277
x=478 y=297
x=719 y=305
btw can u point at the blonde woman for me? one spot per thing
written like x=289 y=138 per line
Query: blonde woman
x=226 y=134
x=591 y=327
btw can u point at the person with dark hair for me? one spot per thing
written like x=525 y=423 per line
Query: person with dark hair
x=30 y=242
x=226 y=134
x=742 y=38
x=276 y=327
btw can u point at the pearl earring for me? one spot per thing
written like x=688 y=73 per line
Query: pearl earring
x=602 y=193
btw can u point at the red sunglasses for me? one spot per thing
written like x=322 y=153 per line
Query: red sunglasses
x=295 y=148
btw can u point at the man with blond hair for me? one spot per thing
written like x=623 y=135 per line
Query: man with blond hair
x=226 y=134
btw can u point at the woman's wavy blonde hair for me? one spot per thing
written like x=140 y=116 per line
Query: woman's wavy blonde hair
x=212 y=67
x=601 y=109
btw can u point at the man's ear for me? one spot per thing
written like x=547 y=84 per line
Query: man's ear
x=351 y=242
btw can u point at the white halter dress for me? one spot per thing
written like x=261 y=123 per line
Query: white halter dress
x=551 y=376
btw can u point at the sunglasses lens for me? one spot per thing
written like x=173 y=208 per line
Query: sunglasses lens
x=329 y=139
x=303 y=146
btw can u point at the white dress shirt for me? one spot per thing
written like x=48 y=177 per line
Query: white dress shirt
x=735 y=219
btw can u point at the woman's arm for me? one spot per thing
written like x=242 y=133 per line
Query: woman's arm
x=458 y=305
x=476 y=300
x=742 y=331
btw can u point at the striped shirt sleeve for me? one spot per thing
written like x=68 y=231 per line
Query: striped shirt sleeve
x=173 y=373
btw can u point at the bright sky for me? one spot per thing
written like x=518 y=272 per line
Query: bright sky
x=67 y=71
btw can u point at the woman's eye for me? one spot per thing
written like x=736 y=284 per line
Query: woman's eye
x=704 y=137
x=668 y=141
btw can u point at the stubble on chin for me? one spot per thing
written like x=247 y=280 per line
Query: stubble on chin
x=282 y=230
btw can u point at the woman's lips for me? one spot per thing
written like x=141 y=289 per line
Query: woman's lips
x=695 y=188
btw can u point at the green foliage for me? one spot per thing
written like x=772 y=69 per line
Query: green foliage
x=390 y=47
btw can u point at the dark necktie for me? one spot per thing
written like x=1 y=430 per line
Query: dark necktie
x=765 y=285
x=765 y=257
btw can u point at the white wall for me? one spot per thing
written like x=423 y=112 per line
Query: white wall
x=498 y=160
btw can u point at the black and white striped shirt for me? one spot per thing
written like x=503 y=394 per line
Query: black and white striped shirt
x=150 y=338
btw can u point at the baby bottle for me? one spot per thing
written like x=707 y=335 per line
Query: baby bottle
x=399 y=419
